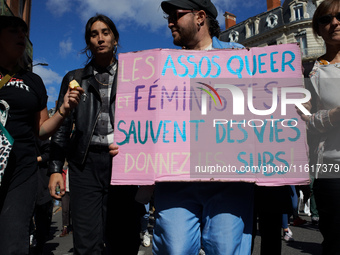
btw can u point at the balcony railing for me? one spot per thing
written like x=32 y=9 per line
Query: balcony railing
x=313 y=52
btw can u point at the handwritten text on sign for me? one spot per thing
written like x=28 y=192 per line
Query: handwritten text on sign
x=222 y=115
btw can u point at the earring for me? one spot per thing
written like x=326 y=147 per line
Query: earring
x=88 y=54
x=115 y=49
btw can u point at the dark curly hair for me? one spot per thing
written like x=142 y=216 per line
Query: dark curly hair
x=214 y=27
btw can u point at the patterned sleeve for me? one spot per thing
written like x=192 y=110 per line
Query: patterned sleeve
x=319 y=122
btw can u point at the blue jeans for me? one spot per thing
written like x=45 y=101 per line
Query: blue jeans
x=145 y=218
x=295 y=202
x=294 y=197
x=285 y=221
x=216 y=215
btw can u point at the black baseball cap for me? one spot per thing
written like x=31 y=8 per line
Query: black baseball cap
x=12 y=21
x=205 y=5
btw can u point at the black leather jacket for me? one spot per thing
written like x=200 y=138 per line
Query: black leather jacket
x=72 y=142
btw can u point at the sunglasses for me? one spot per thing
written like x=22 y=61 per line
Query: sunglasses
x=324 y=20
x=176 y=15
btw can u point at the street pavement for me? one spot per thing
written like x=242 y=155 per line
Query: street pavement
x=307 y=239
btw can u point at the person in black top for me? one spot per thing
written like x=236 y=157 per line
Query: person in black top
x=26 y=96
x=86 y=140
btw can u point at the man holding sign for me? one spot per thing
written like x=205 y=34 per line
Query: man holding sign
x=217 y=213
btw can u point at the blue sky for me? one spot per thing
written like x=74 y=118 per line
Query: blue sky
x=57 y=30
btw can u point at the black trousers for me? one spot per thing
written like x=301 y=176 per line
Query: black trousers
x=124 y=215
x=89 y=185
x=16 y=211
x=43 y=218
x=327 y=198
x=90 y=195
x=270 y=204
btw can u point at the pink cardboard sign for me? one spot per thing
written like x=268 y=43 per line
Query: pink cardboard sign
x=218 y=115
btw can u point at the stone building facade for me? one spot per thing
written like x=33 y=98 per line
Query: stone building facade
x=290 y=22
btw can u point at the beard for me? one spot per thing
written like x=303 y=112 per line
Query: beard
x=184 y=36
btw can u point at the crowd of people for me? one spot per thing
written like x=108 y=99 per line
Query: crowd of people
x=219 y=218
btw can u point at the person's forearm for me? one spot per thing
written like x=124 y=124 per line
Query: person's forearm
x=51 y=125
x=324 y=121
x=334 y=116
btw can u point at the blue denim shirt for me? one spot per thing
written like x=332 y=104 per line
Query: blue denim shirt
x=217 y=44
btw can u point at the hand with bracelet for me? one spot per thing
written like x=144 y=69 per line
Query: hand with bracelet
x=71 y=100
x=47 y=126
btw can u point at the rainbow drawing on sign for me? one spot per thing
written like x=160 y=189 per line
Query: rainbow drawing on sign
x=211 y=95
x=204 y=97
